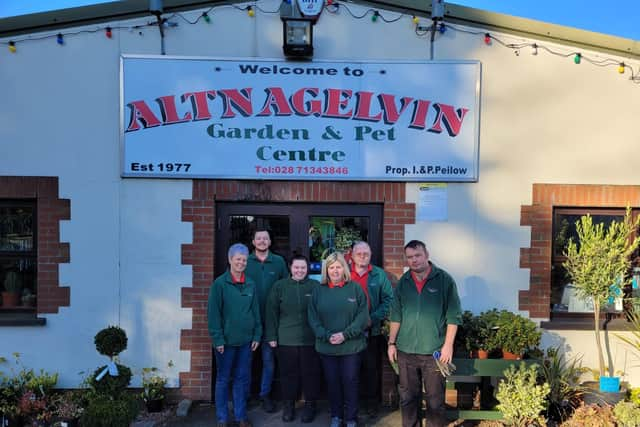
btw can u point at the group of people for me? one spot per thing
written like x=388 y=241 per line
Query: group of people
x=332 y=326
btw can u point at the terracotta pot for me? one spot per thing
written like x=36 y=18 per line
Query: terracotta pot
x=510 y=356
x=10 y=299
x=483 y=354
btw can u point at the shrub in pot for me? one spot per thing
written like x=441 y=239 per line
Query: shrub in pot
x=516 y=334
x=597 y=265
x=108 y=402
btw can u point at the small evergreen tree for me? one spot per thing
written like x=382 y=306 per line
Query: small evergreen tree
x=597 y=265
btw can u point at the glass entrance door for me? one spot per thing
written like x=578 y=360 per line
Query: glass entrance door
x=314 y=230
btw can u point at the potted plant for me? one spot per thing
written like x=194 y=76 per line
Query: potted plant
x=12 y=287
x=28 y=298
x=153 y=392
x=108 y=404
x=597 y=265
x=515 y=335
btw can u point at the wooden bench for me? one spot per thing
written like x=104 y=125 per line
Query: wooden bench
x=485 y=369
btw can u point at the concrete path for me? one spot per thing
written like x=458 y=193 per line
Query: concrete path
x=203 y=415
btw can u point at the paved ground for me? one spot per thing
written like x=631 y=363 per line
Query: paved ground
x=203 y=415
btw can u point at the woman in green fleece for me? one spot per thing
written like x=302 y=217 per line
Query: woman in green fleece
x=338 y=315
x=287 y=329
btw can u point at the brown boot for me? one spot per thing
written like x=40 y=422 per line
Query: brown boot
x=244 y=423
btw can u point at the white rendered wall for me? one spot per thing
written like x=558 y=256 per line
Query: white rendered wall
x=543 y=120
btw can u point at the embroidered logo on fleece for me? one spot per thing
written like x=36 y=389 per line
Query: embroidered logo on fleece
x=432 y=290
x=351 y=299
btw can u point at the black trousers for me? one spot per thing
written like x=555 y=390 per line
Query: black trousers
x=370 y=373
x=299 y=368
x=418 y=371
x=341 y=373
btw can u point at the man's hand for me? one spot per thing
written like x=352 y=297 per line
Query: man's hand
x=220 y=349
x=273 y=344
x=392 y=353
x=254 y=345
x=446 y=353
x=337 y=338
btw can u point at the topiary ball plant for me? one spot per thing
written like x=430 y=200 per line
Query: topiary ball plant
x=108 y=385
x=111 y=341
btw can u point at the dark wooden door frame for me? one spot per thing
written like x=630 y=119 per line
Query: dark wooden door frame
x=299 y=214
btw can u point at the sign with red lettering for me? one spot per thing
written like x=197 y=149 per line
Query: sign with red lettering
x=253 y=119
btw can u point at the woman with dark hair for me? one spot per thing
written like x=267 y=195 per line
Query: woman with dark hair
x=338 y=315
x=287 y=330
x=235 y=329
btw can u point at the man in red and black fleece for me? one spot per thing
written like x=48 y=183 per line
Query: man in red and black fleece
x=425 y=315
x=377 y=288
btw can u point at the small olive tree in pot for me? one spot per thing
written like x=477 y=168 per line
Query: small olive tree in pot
x=597 y=265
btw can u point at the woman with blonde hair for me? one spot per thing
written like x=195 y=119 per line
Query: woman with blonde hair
x=338 y=316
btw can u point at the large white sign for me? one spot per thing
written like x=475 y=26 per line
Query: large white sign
x=253 y=119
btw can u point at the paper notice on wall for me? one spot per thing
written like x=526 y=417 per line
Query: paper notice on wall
x=432 y=202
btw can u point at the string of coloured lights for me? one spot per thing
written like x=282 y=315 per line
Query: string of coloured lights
x=334 y=8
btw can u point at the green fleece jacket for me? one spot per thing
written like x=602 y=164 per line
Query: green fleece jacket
x=380 y=295
x=424 y=316
x=286 y=319
x=343 y=310
x=233 y=314
x=265 y=274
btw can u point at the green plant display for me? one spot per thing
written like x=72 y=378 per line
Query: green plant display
x=598 y=263
x=627 y=414
x=521 y=398
x=111 y=341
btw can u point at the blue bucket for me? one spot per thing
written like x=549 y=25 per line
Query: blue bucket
x=610 y=384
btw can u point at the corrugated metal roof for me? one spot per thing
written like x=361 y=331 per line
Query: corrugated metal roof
x=118 y=10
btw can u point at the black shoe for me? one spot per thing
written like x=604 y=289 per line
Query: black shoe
x=288 y=411
x=308 y=412
x=373 y=408
x=267 y=405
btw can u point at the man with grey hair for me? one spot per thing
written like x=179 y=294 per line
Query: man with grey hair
x=236 y=330
x=377 y=288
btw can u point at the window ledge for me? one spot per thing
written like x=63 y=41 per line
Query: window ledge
x=21 y=320
x=583 y=325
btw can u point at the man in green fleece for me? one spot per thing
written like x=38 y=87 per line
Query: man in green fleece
x=265 y=268
x=425 y=315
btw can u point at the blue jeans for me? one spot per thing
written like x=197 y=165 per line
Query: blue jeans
x=234 y=365
x=268 y=367
x=342 y=376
